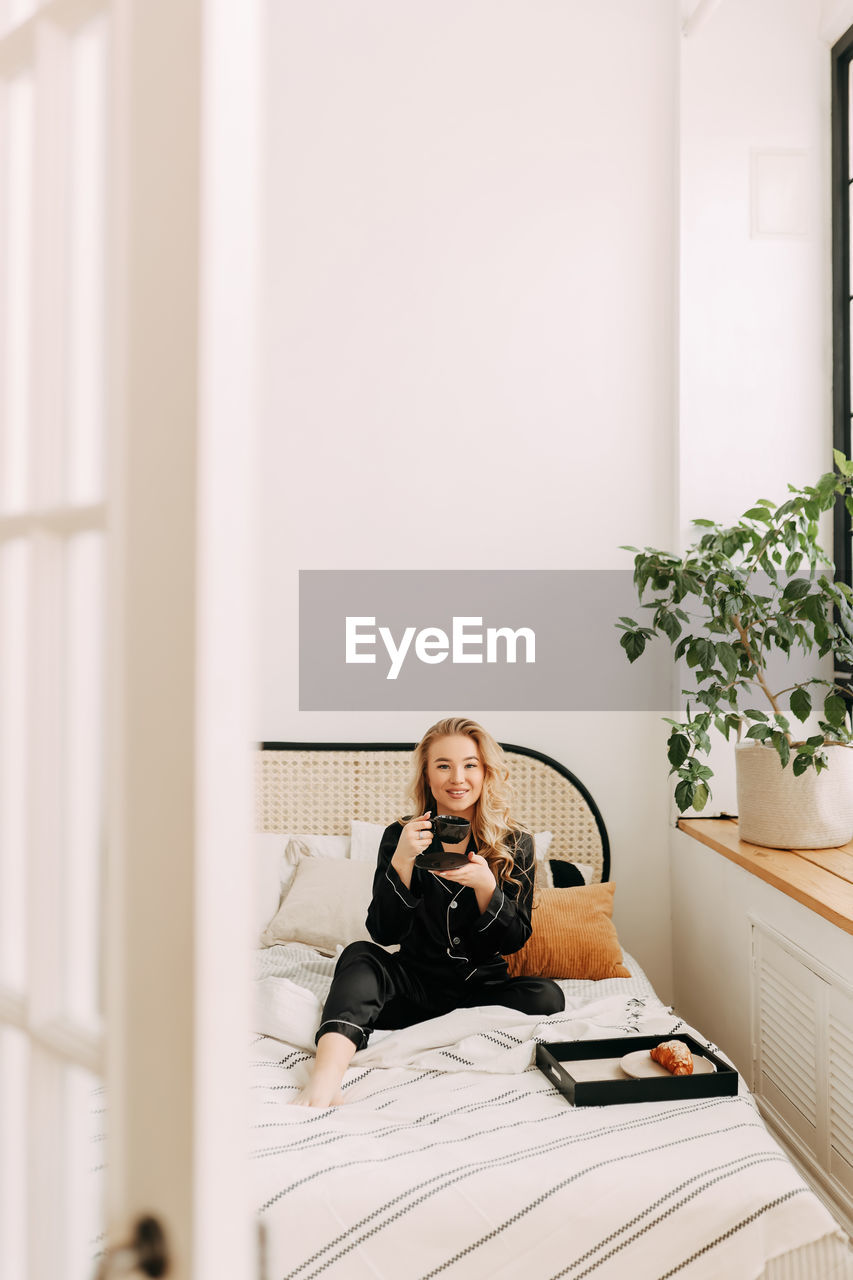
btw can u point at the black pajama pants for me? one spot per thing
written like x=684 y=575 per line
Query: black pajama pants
x=374 y=989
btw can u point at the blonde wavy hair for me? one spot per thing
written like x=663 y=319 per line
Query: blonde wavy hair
x=495 y=833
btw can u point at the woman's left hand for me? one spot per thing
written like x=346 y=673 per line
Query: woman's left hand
x=476 y=874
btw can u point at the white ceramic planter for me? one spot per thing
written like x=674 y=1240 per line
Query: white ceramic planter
x=781 y=811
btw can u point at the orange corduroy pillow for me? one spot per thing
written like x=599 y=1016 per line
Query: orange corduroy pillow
x=573 y=936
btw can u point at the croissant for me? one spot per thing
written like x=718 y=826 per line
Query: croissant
x=675 y=1056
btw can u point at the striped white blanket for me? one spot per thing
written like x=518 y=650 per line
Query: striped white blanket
x=455 y=1157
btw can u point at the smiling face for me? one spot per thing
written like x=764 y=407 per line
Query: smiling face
x=455 y=774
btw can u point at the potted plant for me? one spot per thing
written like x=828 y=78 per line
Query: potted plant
x=737 y=594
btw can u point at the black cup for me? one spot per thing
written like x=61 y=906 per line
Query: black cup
x=445 y=829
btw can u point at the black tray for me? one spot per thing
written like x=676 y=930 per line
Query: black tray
x=550 y=1059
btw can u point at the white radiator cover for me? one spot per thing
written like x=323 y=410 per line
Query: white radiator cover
x=802 y=1050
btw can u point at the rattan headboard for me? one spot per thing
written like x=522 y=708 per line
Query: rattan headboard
x=320 y=787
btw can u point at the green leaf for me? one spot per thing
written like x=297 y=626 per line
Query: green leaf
x=848 y=502
x=756 y=715
x=801 y=763
x=670 y=626
x=845 y=465
x=826 y=484
x=681 y=647
x=789 y=535
x=684 y=794
x=758 y=513
x=728 y=659
x=704 y=524
x=812 y=608
x=633 y=642
x=835 y=709
x=759 y=732
x=793 y=562
x=678 y=749
x=796 y=589
x=783 y=747
x=700 y=795
x=801 y=703
x=785 y=630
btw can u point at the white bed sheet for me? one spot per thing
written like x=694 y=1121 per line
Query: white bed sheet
x=455 y=1157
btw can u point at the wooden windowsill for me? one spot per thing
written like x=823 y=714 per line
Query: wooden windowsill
x=821 y=879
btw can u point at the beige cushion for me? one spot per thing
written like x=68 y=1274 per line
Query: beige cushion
x=325 y=906
x=573 y=936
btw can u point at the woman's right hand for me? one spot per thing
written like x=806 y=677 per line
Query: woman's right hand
x=415 y=837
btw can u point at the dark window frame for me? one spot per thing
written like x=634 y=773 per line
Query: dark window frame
x=842 y=57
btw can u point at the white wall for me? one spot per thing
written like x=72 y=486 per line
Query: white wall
x=755 y=308
x=471 y=223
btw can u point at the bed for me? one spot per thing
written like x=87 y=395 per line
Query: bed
x=454 y=1156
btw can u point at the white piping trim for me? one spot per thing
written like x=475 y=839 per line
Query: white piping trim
x=447 y=925
x=346 y=1022
x=398 y=893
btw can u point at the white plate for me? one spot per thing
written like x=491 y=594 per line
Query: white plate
x=638 y=1065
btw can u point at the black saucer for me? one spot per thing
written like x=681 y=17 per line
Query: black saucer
x=440 y=860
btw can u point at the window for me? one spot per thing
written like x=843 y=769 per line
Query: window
x=54 y=131
x=842 y=371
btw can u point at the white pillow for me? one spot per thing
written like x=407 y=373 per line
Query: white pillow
x=325 y=906
x=364 y=841
x=298 y=847
x=542 y=843
x=268 y=849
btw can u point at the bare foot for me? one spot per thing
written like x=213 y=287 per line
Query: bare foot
x=311 y=1096
x=323 y=1089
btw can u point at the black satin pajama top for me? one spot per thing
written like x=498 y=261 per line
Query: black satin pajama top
x=438 y=924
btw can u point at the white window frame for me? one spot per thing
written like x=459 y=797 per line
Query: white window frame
x=181 y=258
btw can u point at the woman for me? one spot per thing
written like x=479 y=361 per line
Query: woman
x=453 y=927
